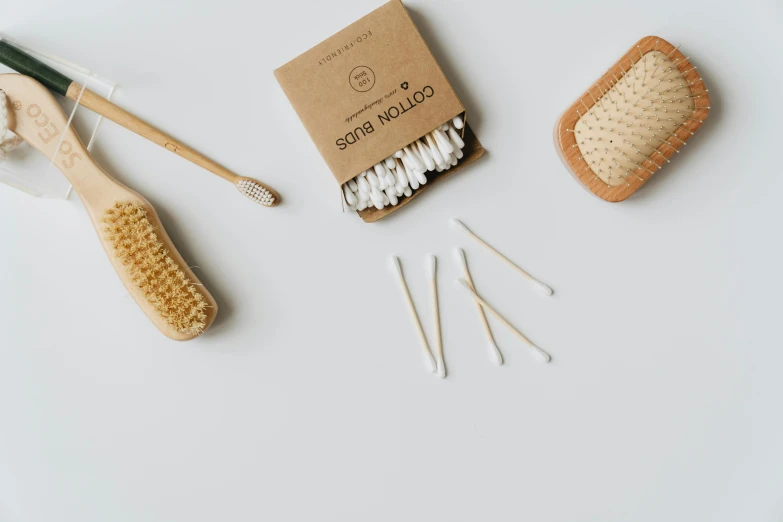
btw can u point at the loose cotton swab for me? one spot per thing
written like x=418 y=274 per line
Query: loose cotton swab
x=541 y=287
x=432 y=264
x=494 y=352
x=540 y=354
x=429 y=361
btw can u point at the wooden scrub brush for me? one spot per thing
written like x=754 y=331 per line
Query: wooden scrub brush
x=633 y=119
x=128 y=228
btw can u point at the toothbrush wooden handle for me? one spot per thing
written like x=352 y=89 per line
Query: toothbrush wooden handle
x=107 y=109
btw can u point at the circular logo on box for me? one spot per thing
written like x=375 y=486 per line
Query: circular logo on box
x=362 y=78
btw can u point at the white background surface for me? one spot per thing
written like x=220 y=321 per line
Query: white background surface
x=307 y=400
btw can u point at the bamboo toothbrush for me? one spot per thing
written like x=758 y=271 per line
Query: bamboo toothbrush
x=128 y=228
x=61 y=84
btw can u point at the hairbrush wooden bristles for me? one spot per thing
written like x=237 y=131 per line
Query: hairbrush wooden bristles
x=129 y=230
x=633 y=119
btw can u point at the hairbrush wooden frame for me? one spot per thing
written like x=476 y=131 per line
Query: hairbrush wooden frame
x=565 y=139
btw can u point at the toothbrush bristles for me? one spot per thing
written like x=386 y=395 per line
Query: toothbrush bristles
x=257 y=192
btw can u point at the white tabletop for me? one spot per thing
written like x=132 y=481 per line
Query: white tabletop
x=307 y=400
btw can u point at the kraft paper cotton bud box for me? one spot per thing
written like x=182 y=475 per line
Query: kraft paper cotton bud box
x=380 y=111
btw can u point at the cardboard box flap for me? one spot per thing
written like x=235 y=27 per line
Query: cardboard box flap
x=368 y=91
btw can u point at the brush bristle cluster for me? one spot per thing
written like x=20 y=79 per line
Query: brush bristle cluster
x=256 y=191
x=406 y=170
x=164 y=285
x=643 y=112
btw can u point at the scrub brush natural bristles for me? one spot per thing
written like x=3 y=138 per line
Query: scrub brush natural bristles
x=628 y=125
x=129 y=229
x=137 y=246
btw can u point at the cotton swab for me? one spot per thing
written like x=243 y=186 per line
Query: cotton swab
x=429 y=361
x=432 y=264
x=541 y=287
x=494 y=352
x=540 y=354
x=406 y=170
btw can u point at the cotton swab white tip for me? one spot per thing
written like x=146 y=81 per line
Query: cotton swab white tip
x=363 y=184
x=431 y=263
x=459 y=255
x=540 y=354
x=456 y=224
x=541 y=287
x=350 y=197
x=441 y=370
x=494 y=353
x=377 y=198
x=429 y=363
x=455 y=138
x=394 y=263
x=391 y=194
x=464 y=284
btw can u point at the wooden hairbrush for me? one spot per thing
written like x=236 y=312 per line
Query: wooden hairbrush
x=64 y=86
x=632 y=120
x=128 y=228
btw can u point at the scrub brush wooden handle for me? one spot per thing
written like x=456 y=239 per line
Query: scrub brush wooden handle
x=61 y=84
x=128 y=227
